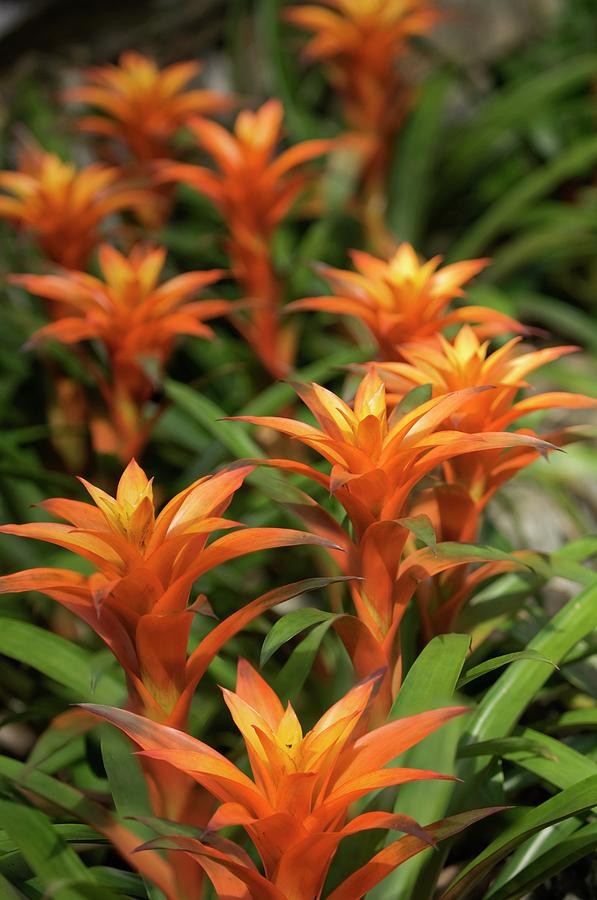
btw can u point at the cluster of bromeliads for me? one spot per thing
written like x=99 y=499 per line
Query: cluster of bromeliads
x=413 y=460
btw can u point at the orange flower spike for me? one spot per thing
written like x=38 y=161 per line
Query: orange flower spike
x=143 y=106
x=375 y=460
x=456 y=507
x=254 y=189
x=135 y=317
x=145 y=566
x=361 y=40
x=361 y=43
x=466 y=362
x=303 y=785
x=61 y=206
x=402 y=299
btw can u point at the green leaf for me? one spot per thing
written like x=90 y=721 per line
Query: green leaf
x=536 y=873
x=576 y=799
x=419 y=395
x=46 y=853
x=127 y=784
x=289 y=626
x=573 y=720
x=298 y=665
x=560 y=766
x=489 y=665
x=503 y=747
x=57 y=658
x=7 y=891
x=430 y=683
x=411 y=180
x=507 y=699
x=511 y=108
x=422 y=528
x=232 y=435
x=574 y=161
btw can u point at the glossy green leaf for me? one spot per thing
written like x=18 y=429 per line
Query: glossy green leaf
x=46 y=853
x=57 y=658
x=576 y=799
x=559 y=857
x=504 y=747
x=489 y=665
x=289 y=626
x=430 y=683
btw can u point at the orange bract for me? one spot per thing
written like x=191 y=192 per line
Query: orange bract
x=254 y=189
x=145 y=566
x=466 y=362
x=144 y=106
x=64 y=207
x=137 y=320
x=376 y=462
x=402 y=299
x=361 y=42
x=456 y=507
x=296 y=806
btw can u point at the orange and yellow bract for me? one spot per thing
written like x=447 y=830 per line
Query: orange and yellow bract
x=361 y=42
x=296 y=806
x=145 y=566
x=64 y=207
x=456 y=506
x=376 y=462
x=402 y=299
x=254 y=189
x=136 y=319
x=142 y=106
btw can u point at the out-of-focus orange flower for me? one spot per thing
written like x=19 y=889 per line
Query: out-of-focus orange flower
x=456 y=506
x=361 y=42
x=143 y=106
x=296 y=806
x=254 y=190
x=63 y=207
x=145 y=566
x=136 y=318
x=402 y=299
x=376 y=462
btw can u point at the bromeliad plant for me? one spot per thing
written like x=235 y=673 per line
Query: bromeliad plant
x=142 y=108
x=377 y=460
x=136 y=600
x=361 y=43
x=62 y=207
x=401 y=299
x=297 y=806
x=135 y=321
x=254 y=189
x=392 y=749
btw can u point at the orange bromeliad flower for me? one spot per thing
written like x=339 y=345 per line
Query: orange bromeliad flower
x=376 y=462
x=145 y=566
x=64 y=207
x=362 y=41
x=401 y=299
x=296 y=807
x=254 y=189
x=136 y=319
x=143 y=106
x=466 y=362
x=456 y=506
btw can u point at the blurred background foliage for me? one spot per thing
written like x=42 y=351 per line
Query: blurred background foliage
x=497 y=158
